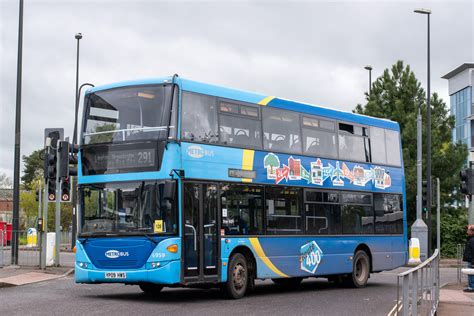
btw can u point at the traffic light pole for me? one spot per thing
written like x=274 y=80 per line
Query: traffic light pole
x=40 y=211
x=44 y=233
x=57 y=217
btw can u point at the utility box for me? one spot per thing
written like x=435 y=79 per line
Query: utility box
x=50 y=249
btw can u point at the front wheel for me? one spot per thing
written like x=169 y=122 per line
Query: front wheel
x=360 y=270
x=237 y=277
x=150 y=288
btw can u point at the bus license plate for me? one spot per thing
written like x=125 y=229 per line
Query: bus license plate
x=115 y=275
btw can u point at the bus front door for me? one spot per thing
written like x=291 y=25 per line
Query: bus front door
x=200 y=233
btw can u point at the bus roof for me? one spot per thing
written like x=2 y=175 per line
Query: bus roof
x=251 y=97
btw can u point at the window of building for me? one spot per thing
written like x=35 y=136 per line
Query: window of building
x=319 y=137
x=199 y=118
x=388 y=213
x=239 y=125
x=357 y=213
x=353 y=143
x=322 y=213
x=281 y=130
x=242 y=209
x=283 y=210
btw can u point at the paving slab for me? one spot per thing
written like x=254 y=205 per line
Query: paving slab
x=16 y=276
x=453 y=301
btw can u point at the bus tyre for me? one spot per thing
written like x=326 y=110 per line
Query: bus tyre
x=150 y=288
x=360 y=270
x=237 y=277
x=288 y=283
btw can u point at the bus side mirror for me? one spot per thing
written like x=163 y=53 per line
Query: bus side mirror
x=169 y=191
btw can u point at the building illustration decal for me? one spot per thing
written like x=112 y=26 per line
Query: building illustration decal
x=319 y=172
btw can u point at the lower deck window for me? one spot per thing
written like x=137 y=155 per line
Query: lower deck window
x=242 y=209
x=283 y=210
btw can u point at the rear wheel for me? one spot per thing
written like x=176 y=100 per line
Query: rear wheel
x=360 y=270
x=289 y=282
x=237 y=277
x=150 y=288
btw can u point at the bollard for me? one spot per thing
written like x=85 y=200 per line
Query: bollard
x=414 y=252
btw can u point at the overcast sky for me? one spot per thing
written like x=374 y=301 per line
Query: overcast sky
x=310 y=51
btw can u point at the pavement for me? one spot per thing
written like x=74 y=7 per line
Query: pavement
x=17 y=275
x=453 y=301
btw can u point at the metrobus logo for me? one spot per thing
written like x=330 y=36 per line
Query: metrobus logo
x=197 y=152
x=113 y=254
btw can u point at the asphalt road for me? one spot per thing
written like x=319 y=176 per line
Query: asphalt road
x=314 y=297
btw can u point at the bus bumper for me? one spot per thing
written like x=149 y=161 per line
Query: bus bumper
x=167 y=274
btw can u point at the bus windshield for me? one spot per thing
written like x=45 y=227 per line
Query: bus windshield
x=128 y=208
x=127 y=114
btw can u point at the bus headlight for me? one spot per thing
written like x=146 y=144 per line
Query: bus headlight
x=83 y=265
x=154 y=265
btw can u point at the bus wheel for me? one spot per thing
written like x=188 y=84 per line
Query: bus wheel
x=237 y=277
x=360 y=270
x=288 y=283
x=150 y=288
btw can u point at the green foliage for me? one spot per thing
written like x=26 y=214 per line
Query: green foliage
x=31 y=180
x=396 y=95
x=33 y=166
x=453 y=229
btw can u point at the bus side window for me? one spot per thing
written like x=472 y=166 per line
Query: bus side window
x=281 y=130
x=199 y=118
x=392 y=140
x=283 y=210
x=242 y=209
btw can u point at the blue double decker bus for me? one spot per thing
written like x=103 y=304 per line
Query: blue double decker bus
x=183 y=183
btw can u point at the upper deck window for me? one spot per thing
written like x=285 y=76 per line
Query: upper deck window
x=129 y=113
x=239 y=125
x=199 y=118
x=385 y=146
x=281 y=130
x=353 y=143
x=319 y=137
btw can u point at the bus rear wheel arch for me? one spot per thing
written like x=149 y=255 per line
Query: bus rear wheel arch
x=241 y=261
x=360 y=270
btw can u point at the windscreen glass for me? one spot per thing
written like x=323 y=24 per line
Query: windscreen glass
x=129 y=208
x=128 y=114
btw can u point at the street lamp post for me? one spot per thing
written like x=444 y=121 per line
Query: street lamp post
x=16 y=168
x=428 y=129
x=369 y=68
x=78 y=37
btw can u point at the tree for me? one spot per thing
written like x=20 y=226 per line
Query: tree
x=396 y=95
x=5 y=181
x=34 y=165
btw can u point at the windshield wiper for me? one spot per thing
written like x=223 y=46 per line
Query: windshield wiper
x=139 y=230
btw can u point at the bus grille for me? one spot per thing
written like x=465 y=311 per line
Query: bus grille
x=117 y=264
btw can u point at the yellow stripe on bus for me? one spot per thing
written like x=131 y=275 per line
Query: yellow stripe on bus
x=247 y=162
x=266 y=100
x=258 y=249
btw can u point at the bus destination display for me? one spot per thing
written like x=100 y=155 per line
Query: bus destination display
x=119 y=158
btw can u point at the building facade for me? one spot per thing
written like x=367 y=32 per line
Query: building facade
x=6 y=205
x=460 y=83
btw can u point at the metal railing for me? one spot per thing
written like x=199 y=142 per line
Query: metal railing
x=2 y=247
x=420 y=288
x=460 y=263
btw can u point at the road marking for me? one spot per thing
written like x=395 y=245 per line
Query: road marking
x=394 y=310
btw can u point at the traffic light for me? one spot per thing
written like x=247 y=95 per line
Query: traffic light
x=51 y=160
x=424 y=196
x=37 y=195
x=467 y=181
x=66 y=190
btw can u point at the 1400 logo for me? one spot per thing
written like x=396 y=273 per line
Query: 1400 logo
x=310 y=257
